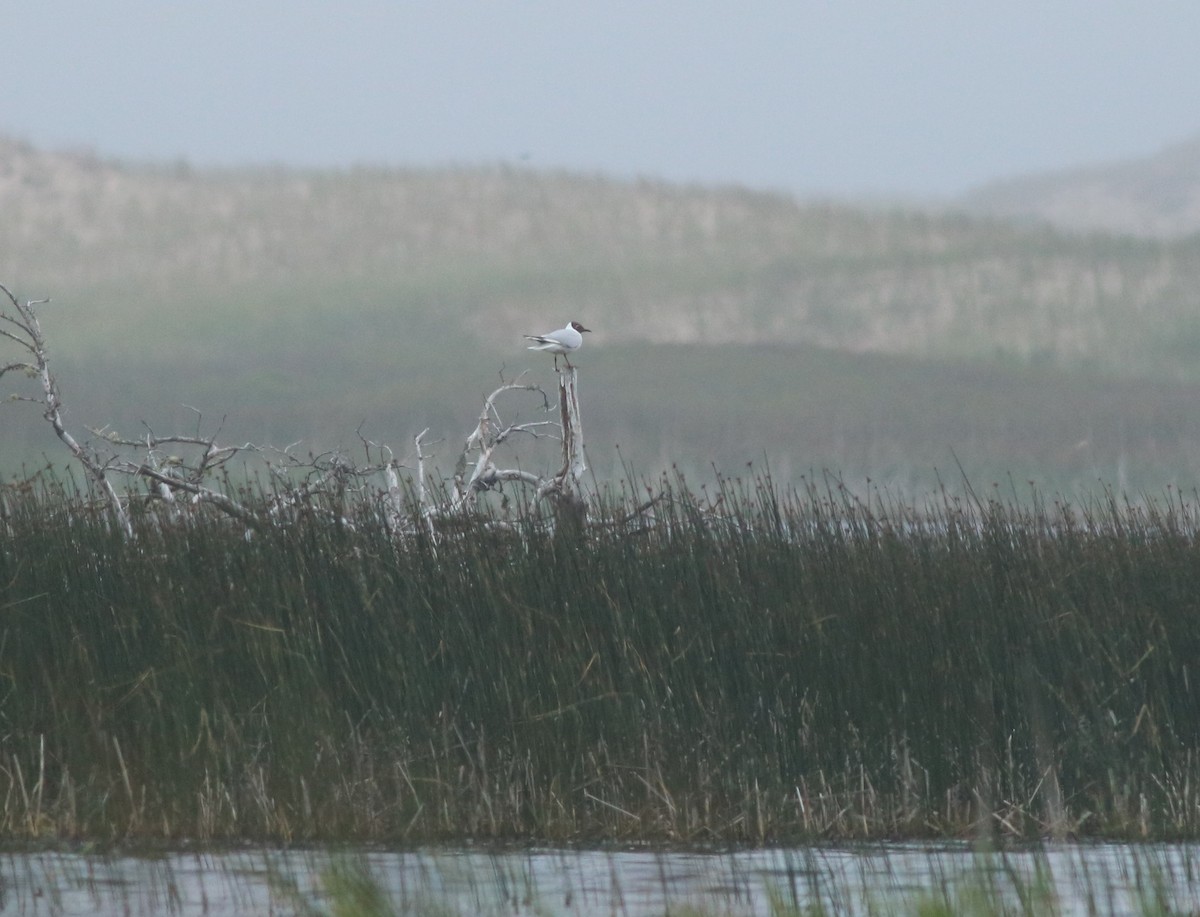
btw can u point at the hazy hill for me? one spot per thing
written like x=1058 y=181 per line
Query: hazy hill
x=1154 y=196
x=493 y=251
x=730 y=325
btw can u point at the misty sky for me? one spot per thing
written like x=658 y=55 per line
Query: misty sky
x=838 y=98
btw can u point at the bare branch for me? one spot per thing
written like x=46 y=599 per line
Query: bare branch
x=328 y=483
x=93 y=466
x=24 y=344
x=203 y=494
x=493 y=476
x=487 y=435
x=27 y=368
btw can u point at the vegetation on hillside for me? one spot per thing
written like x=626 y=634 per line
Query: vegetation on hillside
x=731 y=326
x=488 y=249
x=1152 y=196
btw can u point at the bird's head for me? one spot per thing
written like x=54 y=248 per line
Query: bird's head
x=578 y=327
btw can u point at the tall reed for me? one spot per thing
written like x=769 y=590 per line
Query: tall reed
x=732 y=664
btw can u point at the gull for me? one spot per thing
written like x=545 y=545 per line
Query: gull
x=565 y=340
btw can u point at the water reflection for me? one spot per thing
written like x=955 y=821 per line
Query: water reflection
x=896 y=878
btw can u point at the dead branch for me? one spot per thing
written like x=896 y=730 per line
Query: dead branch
x=489 y=433
x=422 y=501
x=201 y=494
x=329 y=483
x=29 y=337
x=477 y=470
x=563 y=488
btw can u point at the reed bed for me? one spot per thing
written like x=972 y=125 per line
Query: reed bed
x=734 y=664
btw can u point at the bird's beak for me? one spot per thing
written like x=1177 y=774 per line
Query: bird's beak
x=585 y=329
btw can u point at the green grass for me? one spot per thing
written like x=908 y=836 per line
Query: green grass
x=744 y=666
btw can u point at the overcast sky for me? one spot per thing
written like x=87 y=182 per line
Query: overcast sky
x=841 y=98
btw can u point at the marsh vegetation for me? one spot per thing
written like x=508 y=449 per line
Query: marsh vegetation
x=733 y=663
x=316 y=656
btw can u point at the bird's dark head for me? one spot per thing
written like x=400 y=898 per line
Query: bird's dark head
x=578 y=327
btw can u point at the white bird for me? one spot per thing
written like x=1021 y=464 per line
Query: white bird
x=564 y=341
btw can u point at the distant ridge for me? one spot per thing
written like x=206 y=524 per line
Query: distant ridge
x=488 y=250
x=1154 y=197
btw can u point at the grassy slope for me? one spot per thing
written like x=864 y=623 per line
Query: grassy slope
x=300 y=304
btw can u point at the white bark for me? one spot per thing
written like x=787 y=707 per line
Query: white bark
x=564 y=487
x=475 y=473
x=29 y=338
x=477 y=470
x=326 y=479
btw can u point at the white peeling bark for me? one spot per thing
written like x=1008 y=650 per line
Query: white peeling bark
x=30 y=339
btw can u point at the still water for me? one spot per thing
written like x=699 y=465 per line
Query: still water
x=876 y=879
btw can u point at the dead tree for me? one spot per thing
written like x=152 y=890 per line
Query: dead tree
x=172 y=474
x=179 y=468
x=477 y=470
x=108 y=453
x=563 y=488
x=22 y=316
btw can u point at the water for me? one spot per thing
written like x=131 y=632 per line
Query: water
x=879 y=879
